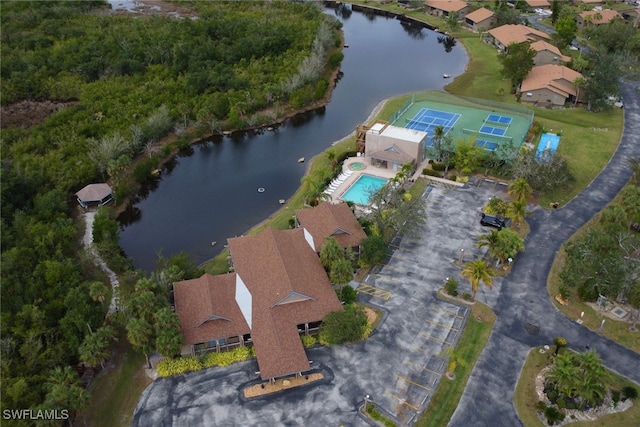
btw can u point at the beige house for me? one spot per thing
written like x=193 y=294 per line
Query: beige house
x=444 y=8
x=538 y=4
x=595 y=17
x=278 y=291
x=550 y=85
x=390 y=147
x=547 y=54
x=331 y=220
x=479 y=19
x=504 y=35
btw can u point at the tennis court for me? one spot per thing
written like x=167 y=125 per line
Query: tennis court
x=427 y=120
x=490 y=130
x=498 y=119
x=487 y=145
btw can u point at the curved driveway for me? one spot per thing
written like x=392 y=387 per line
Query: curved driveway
x=487 y=400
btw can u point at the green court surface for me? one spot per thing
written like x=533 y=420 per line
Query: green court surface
x=495 y=134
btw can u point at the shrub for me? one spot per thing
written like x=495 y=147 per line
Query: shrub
x=226 y=358
x=541 y=406
x=630 y=392
x=451 y=287
x=497 y=206
x=347 y=325
x=431 y=172
x=564 y=290
x=553 y=415
x=348 y=295
x=171 y=367
x=377 y=416
x=467 y=296
x=308 y=341
x=292 y=223
x=374 y=250
x=440 y=167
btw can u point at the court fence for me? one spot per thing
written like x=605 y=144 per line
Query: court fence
x=402 y=109
x=486 y=136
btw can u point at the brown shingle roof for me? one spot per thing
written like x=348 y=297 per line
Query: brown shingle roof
x=94 y=192
x=447 y=5
x=329 y=220
x=480 y=15
x=606 y=16
x=273 y=265
x=207 y=308
x=517 y=33
x=557 y=78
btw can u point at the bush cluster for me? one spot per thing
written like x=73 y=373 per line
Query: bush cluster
x=171 y=367
x=181 y=365
x=308 y=341
x=431 y=172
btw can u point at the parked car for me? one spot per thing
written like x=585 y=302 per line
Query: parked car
x=493 y=221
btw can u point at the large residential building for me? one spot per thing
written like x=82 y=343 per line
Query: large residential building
x=550 y=85
x=278 y=290
x=505 y=35
x=538 y=4
x=595 y=17
x=446 y=8
x=547 y=53
x=480 y=19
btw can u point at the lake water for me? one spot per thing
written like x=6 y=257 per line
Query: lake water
x=211 y=194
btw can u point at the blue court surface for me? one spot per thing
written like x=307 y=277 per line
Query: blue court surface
x=428 y=120
x=496 y=118
x=487 y=145
x=548 y=144
x=490 y=130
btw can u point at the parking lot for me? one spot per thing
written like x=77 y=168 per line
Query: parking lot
x=398 y=367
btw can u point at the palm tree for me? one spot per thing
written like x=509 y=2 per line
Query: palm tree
x=491 y=241
x=98 y=291
x=65 y=390
x=476 y=272
x=341 y=271
x=438 y=134
x=517 y=210
x=559 y=342
x=578 y=83
x=312 y=188
x=565 y=375
x=139 y=334
x=330 y=252
x=94 y=350
x=520 y=190
x=509 y=244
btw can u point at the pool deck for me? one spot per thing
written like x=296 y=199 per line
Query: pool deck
x=369 y=169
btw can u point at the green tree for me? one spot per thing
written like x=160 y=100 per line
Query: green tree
x=341 y=272
x=555 y=10
x=331 y=252
x=566 y=29
x=467 y=156
x=604 y=72
x=168 y=335
x=491 y=241
x=543 y=174
x=98 y=291
x=520 y=190
x=477 y=272
x=94 y=350
x=347 y=325
x=140 y=335
x=454 y=359
x=374 y=251
x=517 y=210
x=64 y=390
x=393 y=212
x=509 y=244
x=517 y=62
x=565 y=375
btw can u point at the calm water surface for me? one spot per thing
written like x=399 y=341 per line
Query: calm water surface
x=211 y=194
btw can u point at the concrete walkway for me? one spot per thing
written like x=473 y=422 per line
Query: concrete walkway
x=488 y=398
x=87 y=241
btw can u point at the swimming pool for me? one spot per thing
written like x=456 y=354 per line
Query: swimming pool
x=548 y=143
x=361 y=191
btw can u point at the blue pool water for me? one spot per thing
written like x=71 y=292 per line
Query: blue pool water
x=361 y=191
x=548 y=142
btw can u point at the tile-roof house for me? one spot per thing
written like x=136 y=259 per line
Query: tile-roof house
x=538 y=4
x=504 y=35
x=281 y=289
x=331 y=220
x=480 y=18
x=446 y=7
x=278 y=290
x=595 y=17
x=550 y=85
x=547 y=53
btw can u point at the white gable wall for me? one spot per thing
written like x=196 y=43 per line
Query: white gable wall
x=244 y=299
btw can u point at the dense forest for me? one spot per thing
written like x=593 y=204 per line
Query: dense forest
x=125 y=82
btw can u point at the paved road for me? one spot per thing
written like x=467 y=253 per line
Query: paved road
x=487 y=400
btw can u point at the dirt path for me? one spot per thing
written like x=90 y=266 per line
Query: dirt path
x=87 y=241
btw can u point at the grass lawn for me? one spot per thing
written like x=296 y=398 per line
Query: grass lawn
x=447 y=395
x=115 y=391
x=525 y=397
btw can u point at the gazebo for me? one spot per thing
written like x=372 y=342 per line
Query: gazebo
x=94 y=195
